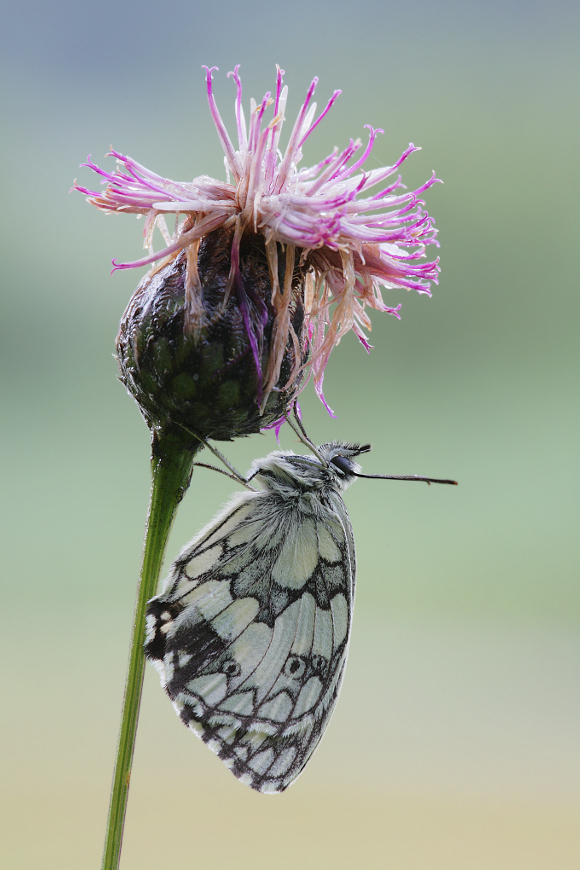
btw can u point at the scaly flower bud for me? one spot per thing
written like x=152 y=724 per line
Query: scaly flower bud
x=203 y=375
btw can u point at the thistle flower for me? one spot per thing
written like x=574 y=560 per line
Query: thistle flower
x=327 y=246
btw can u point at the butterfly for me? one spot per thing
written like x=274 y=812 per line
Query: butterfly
x=250 y=634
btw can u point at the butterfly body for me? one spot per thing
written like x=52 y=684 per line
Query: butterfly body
x=250 y=634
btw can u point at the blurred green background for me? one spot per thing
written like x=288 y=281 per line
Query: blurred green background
x=454 y=744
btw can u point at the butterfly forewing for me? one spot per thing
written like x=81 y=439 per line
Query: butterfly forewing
x=250 y=634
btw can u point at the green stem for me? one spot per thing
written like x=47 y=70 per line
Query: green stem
x=171 y=466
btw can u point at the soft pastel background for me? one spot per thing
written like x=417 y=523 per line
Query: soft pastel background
x=455 y=742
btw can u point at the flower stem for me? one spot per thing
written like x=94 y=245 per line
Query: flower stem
x=171 y=467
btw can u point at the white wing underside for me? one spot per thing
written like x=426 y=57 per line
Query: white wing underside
x=250 y=634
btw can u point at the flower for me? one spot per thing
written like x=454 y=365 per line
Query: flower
x=346 y=242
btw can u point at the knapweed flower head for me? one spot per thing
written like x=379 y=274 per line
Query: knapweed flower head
x=332 y=235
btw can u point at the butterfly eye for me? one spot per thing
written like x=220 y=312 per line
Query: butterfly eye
x=342 y=463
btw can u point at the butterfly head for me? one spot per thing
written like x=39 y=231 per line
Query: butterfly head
x=340 y=458
x=333 y=466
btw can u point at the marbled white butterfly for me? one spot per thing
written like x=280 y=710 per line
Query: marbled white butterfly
x=250 y=634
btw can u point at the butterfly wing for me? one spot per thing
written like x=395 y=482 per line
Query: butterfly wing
x=250 y=635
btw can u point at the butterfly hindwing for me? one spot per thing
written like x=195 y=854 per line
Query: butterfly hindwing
x=250 y=634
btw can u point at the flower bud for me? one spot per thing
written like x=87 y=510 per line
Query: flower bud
x=202 y=370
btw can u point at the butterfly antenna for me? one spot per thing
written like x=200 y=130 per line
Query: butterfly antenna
x=428 y=480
